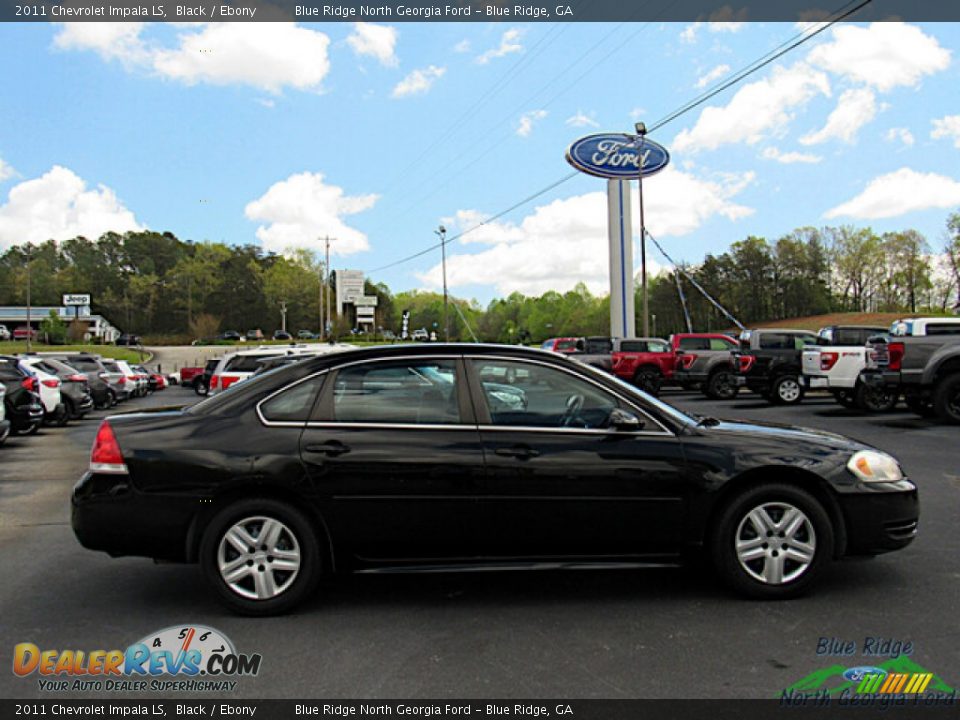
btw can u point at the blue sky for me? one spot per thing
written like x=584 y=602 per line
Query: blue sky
x=277 y=134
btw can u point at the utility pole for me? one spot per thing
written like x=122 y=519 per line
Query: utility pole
x=442 y=233
x=329 y=323
x=641 y=133
x=29 y=326
x=320 y=298
x=283 y=315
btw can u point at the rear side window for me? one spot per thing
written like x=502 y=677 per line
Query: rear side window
x=943 y=329
x=599 y=346
x=112 y=367
x=633 y=346
x=414 y=392
x=245 y=363
x=655 y=346
x=776 y=341
x=693 y=343
x=293 y=404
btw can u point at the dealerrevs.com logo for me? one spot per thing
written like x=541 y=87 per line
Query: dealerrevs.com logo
x=177 y=658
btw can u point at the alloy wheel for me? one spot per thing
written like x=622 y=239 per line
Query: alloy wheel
x=259 y=558
x=775 y=543
x=788 y=390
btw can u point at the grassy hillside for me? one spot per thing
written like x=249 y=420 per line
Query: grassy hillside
x=815 y=322
x=110 y=351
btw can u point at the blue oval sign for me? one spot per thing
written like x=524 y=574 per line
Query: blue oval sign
x=856 y=674
x=617 y=156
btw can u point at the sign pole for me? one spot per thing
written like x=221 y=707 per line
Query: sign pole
x=641 y=133
x=620 y=243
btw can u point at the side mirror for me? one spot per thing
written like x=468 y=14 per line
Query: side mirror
x=624 y=420
x=580 y=345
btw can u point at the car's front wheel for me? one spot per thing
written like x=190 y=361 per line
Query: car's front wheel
x=946 y=400
x=649 y=380
x=722 y=385
x=771 y=541
x=261 y=556
x=787 y=390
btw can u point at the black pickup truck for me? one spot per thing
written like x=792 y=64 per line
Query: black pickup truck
x=768 y=363
x=926 y=369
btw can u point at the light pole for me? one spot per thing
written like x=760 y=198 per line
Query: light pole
x=641 y=129
x=283 y=315
x=29 y=326
x=442 y=233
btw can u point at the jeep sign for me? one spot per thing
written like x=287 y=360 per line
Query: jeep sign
x=76 y=300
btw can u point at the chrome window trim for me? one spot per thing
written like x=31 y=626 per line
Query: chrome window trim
x=286 y=423
x=588 y=379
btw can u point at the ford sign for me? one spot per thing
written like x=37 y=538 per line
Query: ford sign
x=617 y=156
x=856 y=674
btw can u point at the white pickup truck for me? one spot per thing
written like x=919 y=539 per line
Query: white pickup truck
x=836 y=365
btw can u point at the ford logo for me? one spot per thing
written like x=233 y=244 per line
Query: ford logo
x=617 y=156
x=856 y=674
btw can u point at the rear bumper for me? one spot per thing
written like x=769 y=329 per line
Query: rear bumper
x=816 y=382
x=881 y=378
x=880 y=521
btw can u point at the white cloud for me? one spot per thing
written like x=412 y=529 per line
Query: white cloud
x=58 y=206
x=377 y=41
x=509 y=43
x=690 y=32
x=582 y=119
x=900 y=133
x=757 y=110
x=296 y=212
x=637 y=113
x=883 y=55
x=947 y=127
x=525 y=125
x=718 y=72
x=418 y=81
x=565 y=242
x=6 y=171
x=268 y=56
x=855 y=108
x=898 y=193
x=463 y=46
x=788 y=158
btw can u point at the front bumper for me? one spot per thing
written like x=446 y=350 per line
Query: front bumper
x=881 y=519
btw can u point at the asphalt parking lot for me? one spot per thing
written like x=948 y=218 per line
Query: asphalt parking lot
x=662 y=633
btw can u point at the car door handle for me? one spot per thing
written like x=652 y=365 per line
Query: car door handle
x=521 y=452
x=331 y=447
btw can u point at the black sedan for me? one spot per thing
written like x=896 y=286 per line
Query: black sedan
x=409 y=458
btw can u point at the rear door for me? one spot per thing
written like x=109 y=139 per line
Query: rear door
x=560 y=481
x=395 y=454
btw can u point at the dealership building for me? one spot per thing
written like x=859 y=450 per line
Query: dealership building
x=99 y=329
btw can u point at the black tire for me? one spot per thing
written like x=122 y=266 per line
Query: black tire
x=71 y=412
x=63 y=418
x=733 y=522
x=201 y=389
x=946 y=399
x=720 y=385
x=875 y=400
x=304 y=538
x=845 y=398
x=30 y=429
x=111 y=398
x=786 y=390
x=649 y=380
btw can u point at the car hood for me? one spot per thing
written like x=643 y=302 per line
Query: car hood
x=786 y=433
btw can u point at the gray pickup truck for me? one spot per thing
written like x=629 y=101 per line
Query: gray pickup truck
x=926 y=369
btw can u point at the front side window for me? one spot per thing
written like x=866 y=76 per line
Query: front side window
x=693 y=343
x=293 y=404
x=721 y=344
x=410 y=392
x=526 y=395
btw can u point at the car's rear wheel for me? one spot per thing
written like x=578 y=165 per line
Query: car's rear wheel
x=27 y=429
x=649 y=380
x=921 y=406
x=875 y=399
x=946 y=400
x=261 y=556
x=201 y=388
x=771 y=541
x=721 y=386
x=787 y=390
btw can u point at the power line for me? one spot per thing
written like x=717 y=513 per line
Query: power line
x=781 y=50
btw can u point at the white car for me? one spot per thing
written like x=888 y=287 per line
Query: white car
x=238 y=366
x=4 y=332
x=54 y=410
x=136 y=380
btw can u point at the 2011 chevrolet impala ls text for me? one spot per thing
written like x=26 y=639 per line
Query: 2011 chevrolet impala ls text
x=468 y=456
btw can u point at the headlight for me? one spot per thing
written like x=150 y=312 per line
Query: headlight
x=873 y=466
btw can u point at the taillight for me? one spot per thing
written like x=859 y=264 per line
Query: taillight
x=76 y=378
x=895 y=351
x=828 y=360
x=226 y=382
x=51 y=383
x=106 y=456
x=746 y=362
x=687 y=360
x=214 y=381
x=31 y=384
x=122 y=380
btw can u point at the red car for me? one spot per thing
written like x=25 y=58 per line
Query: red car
x=650 y=362
x=21 y=333
x=563 y=345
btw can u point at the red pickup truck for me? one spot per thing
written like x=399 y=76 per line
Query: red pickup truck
x=650 y=362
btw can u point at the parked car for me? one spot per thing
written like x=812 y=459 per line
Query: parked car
x=255 y=335
x=594 y=351
x=926 y=369
x=768 y=362
x=237 y=366
x=189 y=375
x=231 y=335
x=306 y=335
x=645 y=362
x=73 y=387
x=331 y=466
x=201 y=384
x=100 y=393
x=421 y=335
x=703 y=362
x=5 y=333
x=4 y=423
x=137 y=382
x=98 y=376
x=128 y=340
x=21 y=400
x=282 y=335
x=836 y=367
x=48 y=387
x=560 y=344
x=23 y=332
